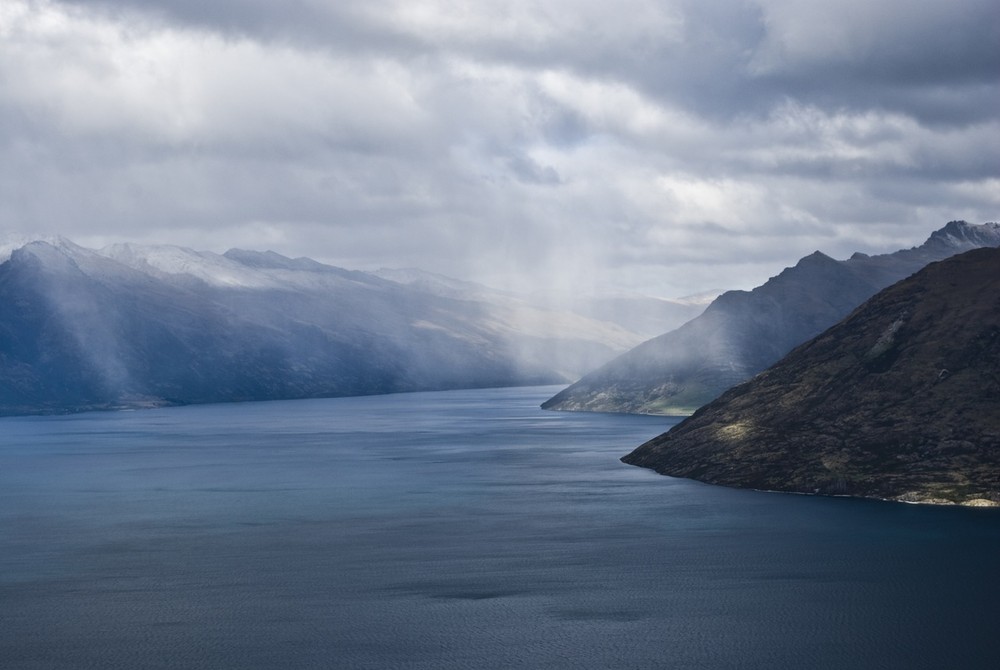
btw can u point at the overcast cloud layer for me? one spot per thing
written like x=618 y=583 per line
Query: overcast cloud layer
x=668 y=146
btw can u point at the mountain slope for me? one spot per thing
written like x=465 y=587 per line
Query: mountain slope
x=137 y=325
x=743 y=332
x=642 y=315
x=898 y=401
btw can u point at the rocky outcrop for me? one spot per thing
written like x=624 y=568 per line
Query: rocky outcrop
x=743 y=332
x=899 y=401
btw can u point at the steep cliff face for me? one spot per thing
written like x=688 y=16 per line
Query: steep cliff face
x=901 y=401
x=743 y=332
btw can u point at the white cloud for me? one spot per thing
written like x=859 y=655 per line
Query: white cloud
x=567 y=141
x=521 y=27
x=92 y=75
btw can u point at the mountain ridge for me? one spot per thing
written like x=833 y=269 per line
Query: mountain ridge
x=743 y=332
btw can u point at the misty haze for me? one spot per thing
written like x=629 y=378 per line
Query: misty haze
x=499 y=334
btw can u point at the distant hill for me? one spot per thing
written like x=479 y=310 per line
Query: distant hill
x=743 y=332
x=134 y=326
x=643 y=315
x=900 y=401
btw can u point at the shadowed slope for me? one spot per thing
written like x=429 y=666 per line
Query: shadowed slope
x=901 y=400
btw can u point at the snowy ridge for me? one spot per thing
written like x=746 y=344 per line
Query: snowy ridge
x=166 y=260
x=11 y=242
x=962 y=235
x=438 y=284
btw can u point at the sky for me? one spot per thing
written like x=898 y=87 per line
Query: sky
x=662 y=146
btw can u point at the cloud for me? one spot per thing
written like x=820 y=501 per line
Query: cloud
x=579 y=143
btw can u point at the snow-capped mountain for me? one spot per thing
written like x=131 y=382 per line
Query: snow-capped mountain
x=131 y=325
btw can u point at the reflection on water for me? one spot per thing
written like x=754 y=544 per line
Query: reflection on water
x=453 y=530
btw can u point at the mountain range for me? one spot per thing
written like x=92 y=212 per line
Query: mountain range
x=134 y=326
x=898 y=401
x=743 y=332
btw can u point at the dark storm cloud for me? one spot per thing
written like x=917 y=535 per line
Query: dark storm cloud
x=634 y=143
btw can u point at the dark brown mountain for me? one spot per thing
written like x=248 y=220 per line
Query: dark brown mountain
x=743 y=332
x=899 y=401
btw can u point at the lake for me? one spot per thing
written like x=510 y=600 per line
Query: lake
x=463 y=529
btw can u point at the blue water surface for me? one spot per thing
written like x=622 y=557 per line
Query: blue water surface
x=464 y=529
